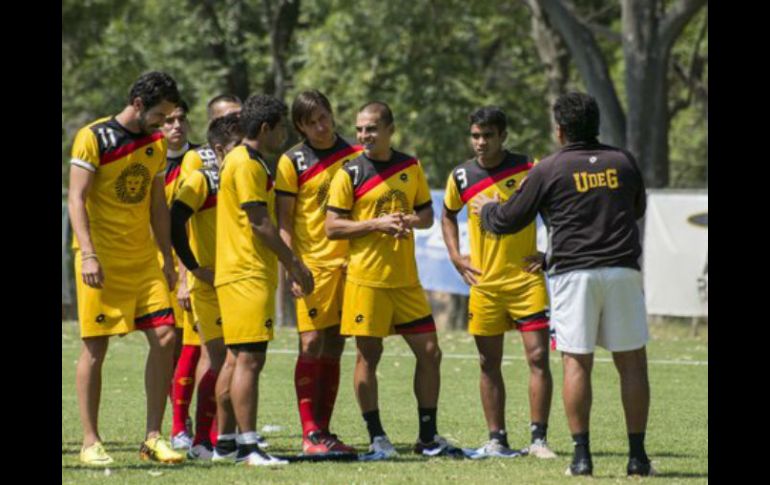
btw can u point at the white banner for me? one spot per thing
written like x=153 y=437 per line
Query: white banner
x=675 y=258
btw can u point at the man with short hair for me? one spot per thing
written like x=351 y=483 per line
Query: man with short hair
x=590 y=196
x=304 y=175
x=375 y=201
x=187 y=354
x=116 y=194
x=196 y=201
x=223 y=105
x=247 y=249
x=504 y=295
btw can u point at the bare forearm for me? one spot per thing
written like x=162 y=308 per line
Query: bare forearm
x=421 y=220
x=341 y=228
x=269 y=234
x=161 y=226
x=451 y=233
x=80 y=223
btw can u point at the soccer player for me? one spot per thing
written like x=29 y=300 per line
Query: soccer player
x=591 y=194
x=504 y=295
x=248 y=243
x=304 y=175
x=116 y=194
x=375 y=201
x=195 y=158
x=196 y=201
x=187 y=354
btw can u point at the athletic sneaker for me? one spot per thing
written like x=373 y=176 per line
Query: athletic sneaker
x=181 y=441
x=225 y=450
x=201 y=451
x=583 y=466
x=95 y=455
x=257 y=457
x=262 y=442
x=314 y=444
x=438 y=447
x=494 y=449
x=336 y=445
x=380 y=449
x=158 y=449
x=539 y=448
x=638 y=467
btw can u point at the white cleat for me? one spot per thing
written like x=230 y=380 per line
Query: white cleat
x=380 y=449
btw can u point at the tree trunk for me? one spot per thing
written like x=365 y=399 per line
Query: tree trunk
x=283 y=21
x=593 y=69
x=225 y=43
x=553 y=54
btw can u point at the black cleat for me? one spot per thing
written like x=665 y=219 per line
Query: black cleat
x=582 y=466
x=638 y=467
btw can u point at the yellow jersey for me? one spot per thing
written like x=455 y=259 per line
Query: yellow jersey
x=498 y=256
x=245 y=180
x=306 y=174
x=118 y=202
x=366 y=189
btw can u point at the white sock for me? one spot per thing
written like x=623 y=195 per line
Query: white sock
x=248 y=438
x=227 y=437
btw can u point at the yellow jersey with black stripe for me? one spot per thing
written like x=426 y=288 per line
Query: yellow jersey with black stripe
x=118 y=203
x=365 y=189
x=202 y=156
x=306 y=174
x=199 y=193
x=245 y=180
x=498 y=256
x=173 y=178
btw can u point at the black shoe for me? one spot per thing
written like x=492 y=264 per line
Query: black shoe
x=638 y=467
x=582 y=466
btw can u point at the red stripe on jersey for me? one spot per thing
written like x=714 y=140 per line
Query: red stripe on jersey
x=269 y=183
x=131 y=147
x=327 y=162
x=211 y=201
x=173 y=174
x=381 y=177
x=484 y=183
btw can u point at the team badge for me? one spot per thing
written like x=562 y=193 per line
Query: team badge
x=131 y=186
x=404 y=177
x=149 y=151
x=392 y=202
x=313 y=312
x=510 y=183
x=359 y=318
x=100 y=318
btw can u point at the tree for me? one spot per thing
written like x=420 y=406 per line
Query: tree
x=648 y=35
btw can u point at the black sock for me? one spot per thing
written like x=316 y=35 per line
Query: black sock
x=427 y=424
x=501 y=436
x=582 y=447
x=636 y=447
x=373 y=424
x=539 y=431
x=225 y=446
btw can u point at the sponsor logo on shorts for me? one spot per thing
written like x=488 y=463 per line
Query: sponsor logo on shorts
x=219 y=321
x=404 y=177
x=359 y=318
x=313 y=312
x=149 y=151
x=269 y=323
x=100 y=318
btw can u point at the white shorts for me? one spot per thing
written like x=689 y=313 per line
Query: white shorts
x=603 y=306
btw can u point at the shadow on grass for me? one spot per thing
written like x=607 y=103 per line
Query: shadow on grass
x=133 y=466
x=664 y=454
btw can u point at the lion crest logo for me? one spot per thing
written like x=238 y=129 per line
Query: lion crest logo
x=131 y=186
x=392 y=202
x=322 y=197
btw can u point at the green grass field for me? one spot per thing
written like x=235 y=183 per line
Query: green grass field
x=677 y=436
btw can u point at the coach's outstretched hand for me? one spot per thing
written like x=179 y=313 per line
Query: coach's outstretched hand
x=480 y=200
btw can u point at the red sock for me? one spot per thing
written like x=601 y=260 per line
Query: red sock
x=184 y=386
x=214 y=431
x=329 y=382
x=206 y=408
x=305 y=382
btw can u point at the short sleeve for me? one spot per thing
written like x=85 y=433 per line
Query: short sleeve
x=85 y=150
x=341 y=193
x=190 y=163
x=452 y=198
x=286 y=178
x=251 y=184
x=193 y=191
x=422 y=198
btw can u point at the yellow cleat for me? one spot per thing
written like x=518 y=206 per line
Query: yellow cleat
x=95 y=455
x=158 y=449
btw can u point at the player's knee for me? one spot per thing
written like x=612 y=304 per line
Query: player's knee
x=311 y=343
x=431 y=355
x=165 y=338
x=490 y=364
x=369 y=356
x=537 y=358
